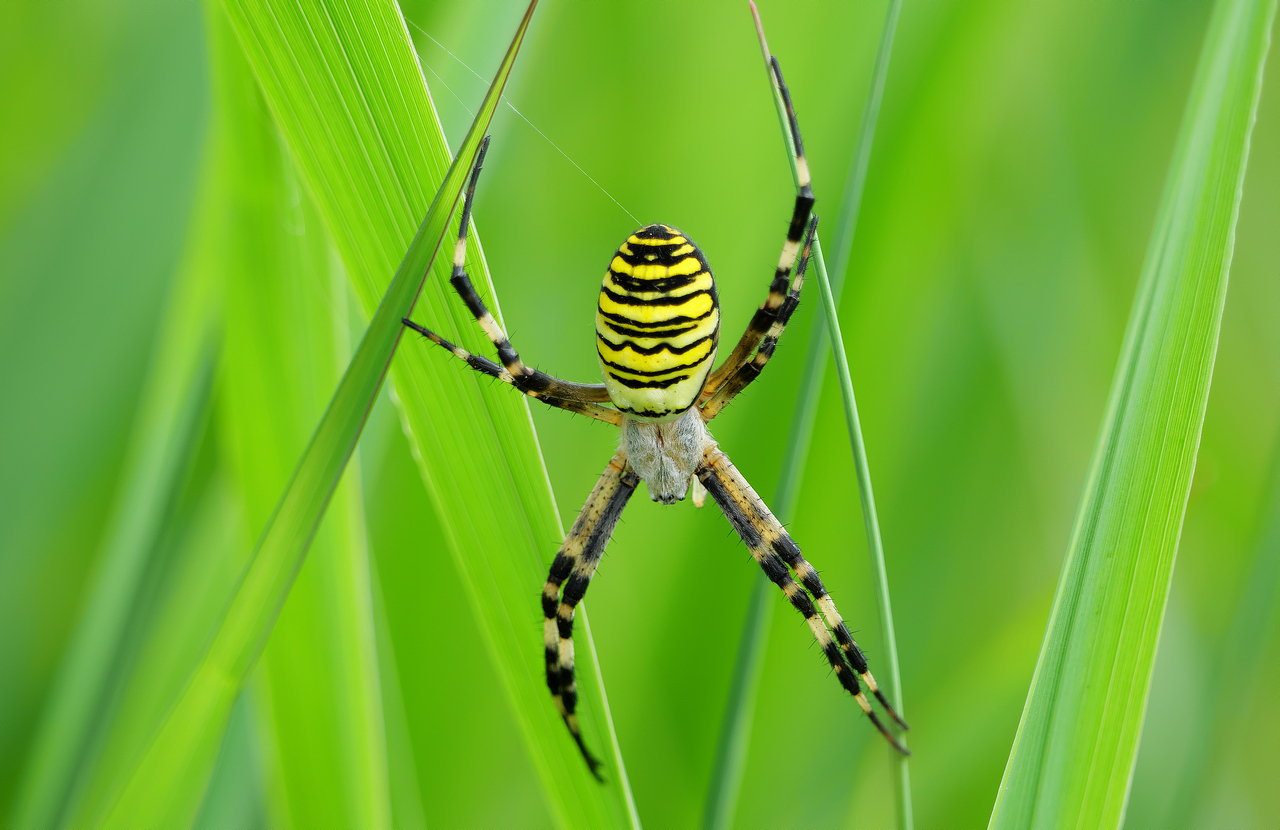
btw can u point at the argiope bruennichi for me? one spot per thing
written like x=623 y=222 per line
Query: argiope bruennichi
x=657 y=328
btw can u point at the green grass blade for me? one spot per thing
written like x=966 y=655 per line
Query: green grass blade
x=192 y=731
x=851 y=203
x=735 y=731
x=416 y=587
x=287 y=339
x=189 y=580
x=278 y=364
x=875 y=548
x=346 y=91
x=1072 y=759
x=170 y=417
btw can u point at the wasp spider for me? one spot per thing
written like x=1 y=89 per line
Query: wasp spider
x=657 y=328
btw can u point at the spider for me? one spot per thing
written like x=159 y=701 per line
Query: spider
x=657 y=329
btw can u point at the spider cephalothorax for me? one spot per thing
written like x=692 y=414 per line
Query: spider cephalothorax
x=657 y=329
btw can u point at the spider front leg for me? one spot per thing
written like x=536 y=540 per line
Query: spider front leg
x=767 y=315
x=576 y=563
x=776 y=551
x=751 y=370
x=583 y=398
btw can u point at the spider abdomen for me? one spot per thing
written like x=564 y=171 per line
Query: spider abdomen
x=657 y=323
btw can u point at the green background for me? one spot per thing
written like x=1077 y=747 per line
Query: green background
x=1018 y=163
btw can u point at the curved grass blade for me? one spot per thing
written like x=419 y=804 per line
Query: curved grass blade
x=1072 y=759
x=163 y=448
x=192 y=731
x=280 y=360
x=286 y=341
x=349 y=98
x=171 y=415
x=735 y=730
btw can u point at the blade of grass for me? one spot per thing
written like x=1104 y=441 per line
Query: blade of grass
x=189 y=579
x=241 y=236
x=735 y=731
x=287 y=340
x=346 y=91
x=406 y=796
x=413 y=592
x=875 y=548
x=170 y=416
x=1072 y=758
x=192 y=731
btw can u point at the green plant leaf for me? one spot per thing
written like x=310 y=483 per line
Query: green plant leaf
x=280 y=360
x=164 y=441
x=1072 y=759
x=286 y=341
x=159 y=788
x=346 y=91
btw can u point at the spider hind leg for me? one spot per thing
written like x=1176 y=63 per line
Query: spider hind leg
x=779 y=557
x=574 y=566
x=789 y=551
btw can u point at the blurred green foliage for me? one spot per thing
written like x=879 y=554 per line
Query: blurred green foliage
x=1012 y=191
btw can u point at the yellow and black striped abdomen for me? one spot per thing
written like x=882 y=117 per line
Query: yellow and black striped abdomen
x=657 y=324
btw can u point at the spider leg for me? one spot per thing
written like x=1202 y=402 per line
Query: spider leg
x=775 y=550
x=762 y=321
x=786 y=548
x=577 y=397
x=576 y=563
x=751 y=370
x=485 y=366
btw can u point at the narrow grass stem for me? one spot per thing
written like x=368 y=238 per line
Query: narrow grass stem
x=851 y=203
x=735 y=733
x=901 y=777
